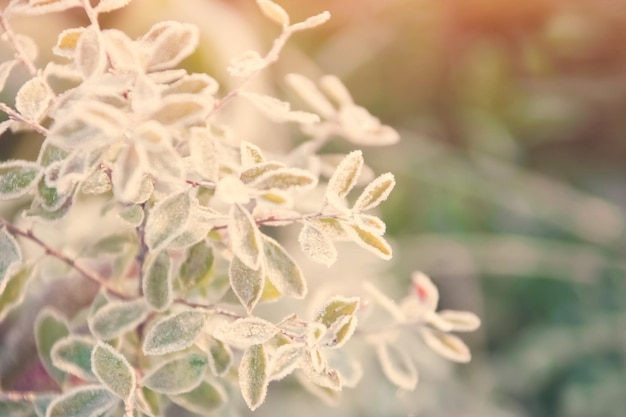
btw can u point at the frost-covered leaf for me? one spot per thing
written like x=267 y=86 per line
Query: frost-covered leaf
x=282 y=270
x=89 y=56
x=117 y=318
x=123 y=55
x=333 y=228
x=168 y=43
x=246 y=64
x=13 y=287
x=245 y=332
x=274 y=12
x=336 y=308
x=345 y=176
x=361 y=128
x=197 y=266
x=285 y=179
x=309 y=92
x=347 y=366
x=17 y=178
x=317 y=245
x=397 y=365
x=50 y=326
x=219 y=353
x=197 y=83
x=250 y=155
x=370 y=223
x=96 y=183
x=376 y=192
x=203 y=400
x=285 y=360
x=174 y=332
x=157 y=281
x=426 y=292
x=133 y=215
x=460 y=321
x=181 y=109
x=341 y=331
x=67 y=42
x=245 y=237
x=167 y=219
x=385 y=302
x=277 y=110
x=72 y=354
x=447 y=345
x=10 y=253
x=16 y=408
x=253 y=379
x=247 y=283
x=83 y=401
x=320 y=374
x=335 y=88
x=252 y=173
x=42 y=401
x=113 y=370
x=204 y=154
x=33 y=99
x=36 y=7
x=105 y=6
x=370 y=241
x=5 y=71
x=177 y=376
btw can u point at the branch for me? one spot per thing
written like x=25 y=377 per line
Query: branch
x=20 y=55
x=13 y=115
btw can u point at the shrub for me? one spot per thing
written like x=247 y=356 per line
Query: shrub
x=190 y=242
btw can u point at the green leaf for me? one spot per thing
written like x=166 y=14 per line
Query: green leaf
x=50 y=326
x=157 y=281
x=285 y=360
x=117 y=318
x=16 y=408
x=41 y=403
x=9 y=254
x=282 y=270
x=337 y=308
x=345 y=176
x=253 y=379
x=197 y=267
x=376 y=192
x=177 y=376
x=17 y=178
x=13 y=289
x=113 y=370
x=245 y=237
x=167 y=219
x=247 y=283
x=133 y=215
x=368 y=240
x=173 y=333
x=84 y=401
x=72 y=354
x=254 y=172
x=285 y=179
x=220 y=356
x=205 y=398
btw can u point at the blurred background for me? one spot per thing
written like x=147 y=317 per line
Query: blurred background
x=511 y=180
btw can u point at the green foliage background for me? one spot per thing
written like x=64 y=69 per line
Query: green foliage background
x=511 y=174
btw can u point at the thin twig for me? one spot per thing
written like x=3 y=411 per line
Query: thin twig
x=13 y=115
x=20 y=55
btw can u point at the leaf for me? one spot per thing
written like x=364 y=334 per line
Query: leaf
x=447 y=345
x=16 y=408
x=83 y=401
x=370 y=223
x=274 y=12
x=425 y=291
x=341 y=331
x=282 y=270
x=333 y=228
x=317 y=245
x=196 y=83
x=41 y=403
x=250 y=155
x=245 y=237
x=123 y=55
x=220 y=356
x=181 y=110
x=113 y=370
x=106 y=6
x=460 y=321
x=277 y=110
x=255 y=171
x=132 y=214
x=397 y=366
x=174 y=332
x=167 y=219
x=332 y=85
x=376 y=192
x=245 y=332
x=72 y=354
x=336 y=308
x=90 y=57
x=177 y=376
x=247 y=284
x=204 y=399
x=253 y=376
x=345 y=176
x=17 y=178
x=246 y=64
x=117 y=317
x=197 y=266
x=368 y=240
x=50 y=326
x=285 y=360
x=33 y=99
x=385 y=302
x=285 y=179
x=168 y=43
x=13 y=287
x=157 y=281
x=36 y=7
x=10 y=253
x=309 y=92
x=5 y=70
x=128 y=174
x=204 y=153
